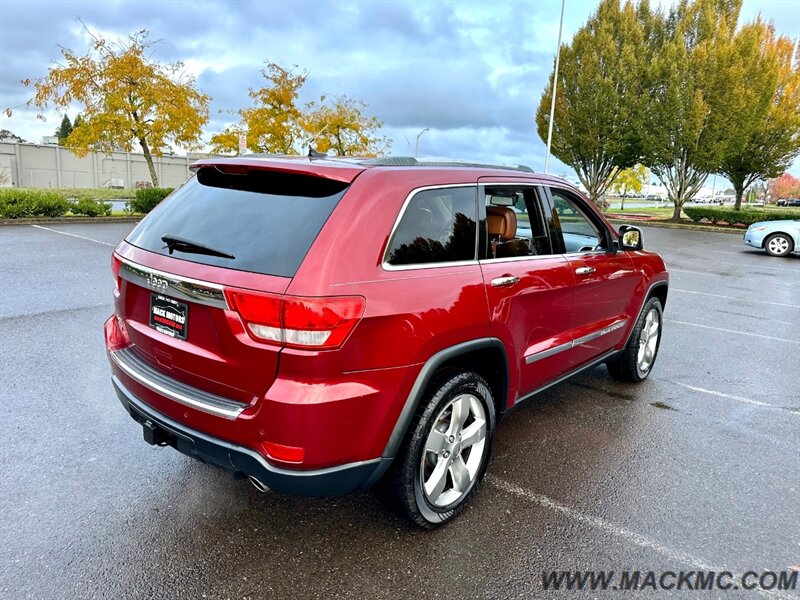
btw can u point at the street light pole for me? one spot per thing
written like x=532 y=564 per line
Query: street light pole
x=416 y=147
x=555 y=85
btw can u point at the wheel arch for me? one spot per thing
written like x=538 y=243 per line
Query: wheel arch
x=485 y=356
x=658 y=289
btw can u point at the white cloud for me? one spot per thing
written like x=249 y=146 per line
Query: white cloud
x=471 y=72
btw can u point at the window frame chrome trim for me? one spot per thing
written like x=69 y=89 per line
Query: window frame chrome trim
x=386 y=266
x=436 y=265
x=177 y=286
x=494 y=261
x=590 y=253
x=523 y=182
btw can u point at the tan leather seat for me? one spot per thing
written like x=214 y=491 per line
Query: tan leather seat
x=502 y=223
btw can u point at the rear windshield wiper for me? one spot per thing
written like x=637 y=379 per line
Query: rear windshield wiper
x=173 y=242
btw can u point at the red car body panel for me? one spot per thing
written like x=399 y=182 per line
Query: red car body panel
x=532 y=316
x=342 y=406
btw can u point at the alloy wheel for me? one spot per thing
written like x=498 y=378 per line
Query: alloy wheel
x=648 y=341
x=453 y=451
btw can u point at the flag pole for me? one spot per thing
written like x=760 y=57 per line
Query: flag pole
x=555 y=85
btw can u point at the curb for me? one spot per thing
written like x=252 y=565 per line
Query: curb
x=70 y=220
x=668 y=225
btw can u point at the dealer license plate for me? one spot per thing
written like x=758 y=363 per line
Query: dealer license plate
x=169 y=316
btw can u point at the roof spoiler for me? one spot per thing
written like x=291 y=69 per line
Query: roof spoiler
x=324 y=169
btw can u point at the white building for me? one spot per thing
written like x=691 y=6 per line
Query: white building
x=49 y=166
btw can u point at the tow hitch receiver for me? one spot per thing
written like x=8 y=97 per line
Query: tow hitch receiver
x=155 y=436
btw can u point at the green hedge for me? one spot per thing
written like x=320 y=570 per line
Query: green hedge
x=102 y=194
x=90 y=207
x=746 y=216
x=146 y=199
x=18 y=203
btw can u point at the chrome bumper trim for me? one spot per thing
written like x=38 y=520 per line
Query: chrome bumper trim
x=176 y=391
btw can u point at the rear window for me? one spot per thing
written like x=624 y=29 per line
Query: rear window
x=438 y=226
x=265 y=220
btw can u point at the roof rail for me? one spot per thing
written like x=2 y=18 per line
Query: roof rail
x=410 y=161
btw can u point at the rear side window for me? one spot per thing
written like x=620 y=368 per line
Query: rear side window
x=265 y=220
x=437 y=226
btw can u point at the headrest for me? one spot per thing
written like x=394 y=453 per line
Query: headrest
x=502 y=221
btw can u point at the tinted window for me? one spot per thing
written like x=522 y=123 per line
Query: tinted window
x=437 y=226
x=267 y=221
x=578 y=231
x=529 y=236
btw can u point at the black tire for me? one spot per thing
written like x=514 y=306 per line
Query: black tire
x=402 y=487
x=627 y=365
x=779 y=244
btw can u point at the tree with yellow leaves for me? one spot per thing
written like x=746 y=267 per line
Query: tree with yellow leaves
x=125 y=98
x=629 y=180
x=273 y=124
x=342 y=127
x=276 y=124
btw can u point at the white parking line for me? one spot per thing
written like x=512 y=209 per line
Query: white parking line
x=758 y=335
x=674 y=270
x=615 y=530
x=80 y=237
x=729 y=396
x=756 y=267
x=734 y=298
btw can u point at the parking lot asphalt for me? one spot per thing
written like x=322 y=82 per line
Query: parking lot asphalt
x=696 y=468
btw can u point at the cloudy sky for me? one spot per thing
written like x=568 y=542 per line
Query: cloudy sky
x=470 y=72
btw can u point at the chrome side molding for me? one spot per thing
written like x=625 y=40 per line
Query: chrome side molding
x=532 y=358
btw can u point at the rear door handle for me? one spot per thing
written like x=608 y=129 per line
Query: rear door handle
x=504 y=281
x=584 y=270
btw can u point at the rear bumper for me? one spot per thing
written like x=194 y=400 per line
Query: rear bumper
x=244 y=462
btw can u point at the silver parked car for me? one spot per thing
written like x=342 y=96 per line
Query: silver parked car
x=778 y=238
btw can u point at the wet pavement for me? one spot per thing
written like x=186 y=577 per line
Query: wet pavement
x=696 y=468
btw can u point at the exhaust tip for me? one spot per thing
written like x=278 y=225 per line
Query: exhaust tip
x=257 y=484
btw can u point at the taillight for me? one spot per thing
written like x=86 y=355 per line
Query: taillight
x=320 y=322
x=297 y=321
x=116 y=264
x=116 y=334
x=260 y=312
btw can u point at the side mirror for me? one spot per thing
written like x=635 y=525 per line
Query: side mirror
x=630 y=238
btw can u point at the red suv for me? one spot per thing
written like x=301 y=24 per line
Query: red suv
x=320 y=325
